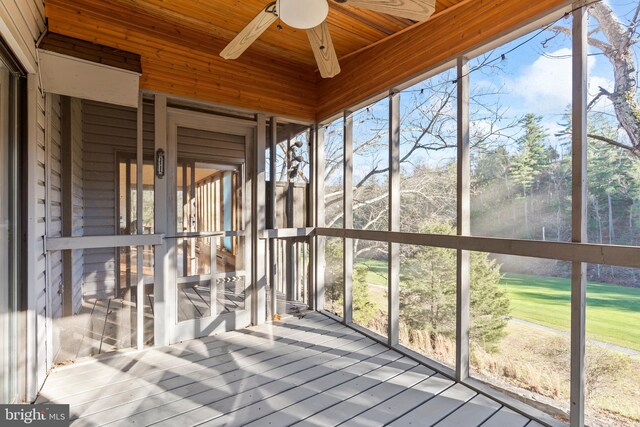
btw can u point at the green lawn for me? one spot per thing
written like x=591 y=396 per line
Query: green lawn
x=377 y=271
x=613 y=312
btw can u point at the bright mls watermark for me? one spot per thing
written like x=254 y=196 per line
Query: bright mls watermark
x=34 y=415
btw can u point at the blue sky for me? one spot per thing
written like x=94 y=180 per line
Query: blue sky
x=531 y=78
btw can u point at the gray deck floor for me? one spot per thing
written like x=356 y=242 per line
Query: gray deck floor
x=106 y=325
x=311 y=371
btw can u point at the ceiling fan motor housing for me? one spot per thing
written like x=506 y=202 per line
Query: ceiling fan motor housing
x=303 y=14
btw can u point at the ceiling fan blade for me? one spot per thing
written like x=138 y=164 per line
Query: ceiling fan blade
x=249 y=34
x=323 y=50
x=416 y=10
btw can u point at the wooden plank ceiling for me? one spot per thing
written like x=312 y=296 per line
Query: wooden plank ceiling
x=179 y=42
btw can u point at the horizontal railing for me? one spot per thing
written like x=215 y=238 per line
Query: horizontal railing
x=623 y=256
x=98 y=242
x=288 y=258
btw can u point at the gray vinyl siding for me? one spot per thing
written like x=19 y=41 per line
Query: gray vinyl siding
x=55 y=204
x=25 y=22
x=53 y=198
x=27 y=18
x=199 y=144
x=39 y=270
x=107 y=131
x=77 y=193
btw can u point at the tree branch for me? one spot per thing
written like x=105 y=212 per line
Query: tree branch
x=632 y=27
x=603 y=92
x=601 y=138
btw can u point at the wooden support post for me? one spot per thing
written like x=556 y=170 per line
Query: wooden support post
x=245 y=216
x=140 y=291
x=319 y=266
x=296 y=269
x=463 y=270
x=185 y=220
x=289 y=253
x=579 y=214
x=192 y=225
x=394 y=219
x=348 y=216
x=271 y=217
x=163 y=266
x=259 y=223
x=213 y=287
x=310 y=265
x=127 y=230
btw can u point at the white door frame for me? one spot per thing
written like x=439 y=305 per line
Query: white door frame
x=166 y=319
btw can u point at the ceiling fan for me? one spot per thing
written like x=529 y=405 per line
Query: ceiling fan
x=310 y=15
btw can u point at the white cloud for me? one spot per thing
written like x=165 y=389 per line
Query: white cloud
x=595 y=83
x=545 y=85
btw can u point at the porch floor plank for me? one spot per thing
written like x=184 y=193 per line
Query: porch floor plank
x=108 y=324
x=506 y=416
x=306 y=372
x=436 y=409
x=100 y=321
x=478 y=409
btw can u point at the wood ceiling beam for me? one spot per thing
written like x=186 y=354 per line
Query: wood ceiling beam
x=419 y=48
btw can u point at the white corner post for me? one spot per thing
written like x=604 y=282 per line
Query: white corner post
x=258 y=224
x=348 y=216
x=161 y=326
x=312 y=221
x=463 y=264
x=579 y=213
x=394 y=220
x=140 y=291
x=272 y=215
x=319 y=267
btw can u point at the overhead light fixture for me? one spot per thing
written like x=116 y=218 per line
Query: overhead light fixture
x=303 y=14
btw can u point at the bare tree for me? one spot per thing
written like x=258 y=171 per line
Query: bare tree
x=616 y=41
x=618 y=48
x=428 y=121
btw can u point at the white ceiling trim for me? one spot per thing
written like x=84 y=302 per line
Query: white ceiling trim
x=79 y=78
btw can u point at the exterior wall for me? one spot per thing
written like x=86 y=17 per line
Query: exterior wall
x=107 y=131
x=21 y=23
x=77 y=196
x=195 y=143
x=37 y=352
x=53 y=204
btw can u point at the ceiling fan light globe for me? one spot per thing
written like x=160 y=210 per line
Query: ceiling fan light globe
x=303 y=14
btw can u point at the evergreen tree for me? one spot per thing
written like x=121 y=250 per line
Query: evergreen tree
x=614 y=187
x=533 y=156
x=428 y=289
x=333 y=280
x=531 y=161
x=363 y=306
x=492 y=165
